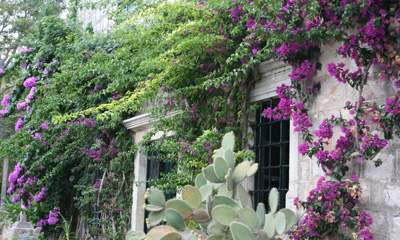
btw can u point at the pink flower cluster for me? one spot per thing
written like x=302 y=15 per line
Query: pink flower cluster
x=392 y=105
x=39 y=197
x=303 y=73
x=51 y=218
x=19 y=124
x=5 y=101
x=324 y=130
x=103 y=151
x=30 y=82
x=301 y=121
x=30 y=96
x=330 y=205
x=285 y=106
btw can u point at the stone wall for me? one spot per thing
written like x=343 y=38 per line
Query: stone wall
x=381 y=186
x=97 y=17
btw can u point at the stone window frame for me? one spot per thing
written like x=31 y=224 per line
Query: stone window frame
x=139 y=126
x=274 y=73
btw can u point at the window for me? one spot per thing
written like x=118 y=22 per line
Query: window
x=157 y=168
x=272 y=155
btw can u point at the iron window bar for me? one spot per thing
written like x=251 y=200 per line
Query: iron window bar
x=272 y=155
x=154 y=167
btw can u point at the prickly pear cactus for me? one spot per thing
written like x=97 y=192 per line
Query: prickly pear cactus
x=221 y=217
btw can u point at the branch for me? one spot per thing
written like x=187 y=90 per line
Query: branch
x=326 y=233
x=359 y=99
x=119 y=190
x=101 y=186
x=6 y=89
x=244 y=106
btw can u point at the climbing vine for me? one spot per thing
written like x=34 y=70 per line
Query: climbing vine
x=192 y=65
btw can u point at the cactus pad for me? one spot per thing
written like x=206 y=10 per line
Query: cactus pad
x=224 y=214
x=243 y=196
x=209 y=174
x=171 y=236
x=273 y=200
x=153 y=208
x=219 y=152
x=250 y=219
x=200 y=180
x=240 y=171
x=290 y=218
x=209 y=205
x=215 y=228
x=157 y=232
x=205 y=191
x=223 y=200
x=192 y=237
x=133 y=235
x=216 y=237
x=181 y=206
x=230 y=158
x=240 y=231
x=269 y=226
x=155 y=218
x=280 y=222
x=260 y=211
x=228 y=141
x=156 y=197
x=223 y=191
x=229 y=180
x=201 y=216
x=252 y=170
x=220 y=168
x=175 y=219
x=192 y=196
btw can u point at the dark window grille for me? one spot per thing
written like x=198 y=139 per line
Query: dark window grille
x=272 y=155
x=155 y=169
x=93 y=226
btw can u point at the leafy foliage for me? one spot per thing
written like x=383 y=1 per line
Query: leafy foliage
x=191 y=66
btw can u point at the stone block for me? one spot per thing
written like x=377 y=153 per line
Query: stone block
x=330 y=96
x=17 y=229
x=304 y=169
x=392 y=196
x=395 y=231
x=380 y=227
x=383 y=172
x=316 y=171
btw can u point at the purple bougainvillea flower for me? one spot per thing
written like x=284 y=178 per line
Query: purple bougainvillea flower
x=30 y=82
x=21 y=105
x=19 y=124
x=5 y=102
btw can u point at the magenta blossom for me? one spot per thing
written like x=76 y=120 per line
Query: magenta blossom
x=30 y=82
x=21 y=105
x=5 y=102
x=44 y=126
x=19 y=124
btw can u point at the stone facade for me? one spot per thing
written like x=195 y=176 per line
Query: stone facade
x=97 y=18
x=381 y=186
